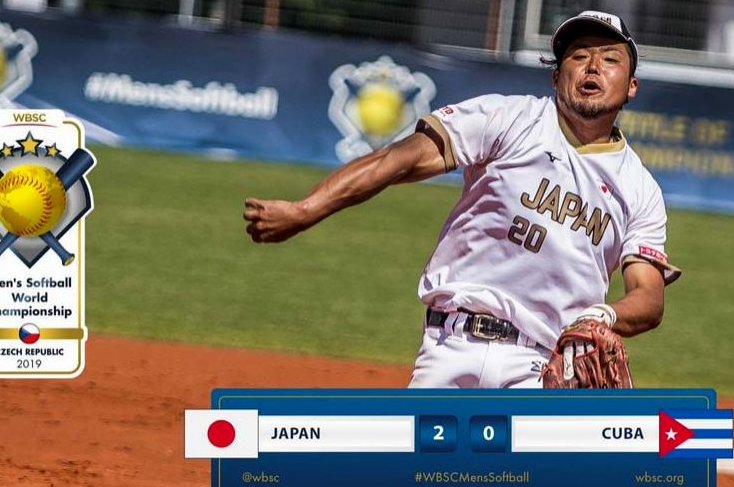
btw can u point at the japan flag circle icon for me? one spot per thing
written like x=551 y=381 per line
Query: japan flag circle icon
x=221 y=433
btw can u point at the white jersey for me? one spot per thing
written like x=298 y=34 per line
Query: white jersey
x=543 y=221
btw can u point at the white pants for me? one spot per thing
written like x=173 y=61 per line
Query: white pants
x=457 y=360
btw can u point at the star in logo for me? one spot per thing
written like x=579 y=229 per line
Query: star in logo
x=52 y=150
x=6 y=151
x=671 y=434
x=29 y=145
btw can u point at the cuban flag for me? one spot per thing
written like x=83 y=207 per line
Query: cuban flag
x=220 y=433
x=696 y=433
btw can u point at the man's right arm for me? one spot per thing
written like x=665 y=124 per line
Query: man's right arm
x=414 y=158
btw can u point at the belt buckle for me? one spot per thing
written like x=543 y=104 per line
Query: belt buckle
x=480 y=331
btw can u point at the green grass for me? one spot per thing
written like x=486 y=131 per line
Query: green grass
x=167 y=259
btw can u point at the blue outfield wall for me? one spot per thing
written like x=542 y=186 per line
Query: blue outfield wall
x=293 y=97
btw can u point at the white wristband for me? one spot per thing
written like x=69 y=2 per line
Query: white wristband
x=599 y=312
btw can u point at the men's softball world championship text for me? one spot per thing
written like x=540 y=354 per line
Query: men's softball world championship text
x=44 y=199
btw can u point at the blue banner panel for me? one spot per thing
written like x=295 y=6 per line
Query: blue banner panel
x=431 y=437
x=299 y=98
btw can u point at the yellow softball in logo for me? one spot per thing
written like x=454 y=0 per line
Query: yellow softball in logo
x=380 y=108
x=32 y=200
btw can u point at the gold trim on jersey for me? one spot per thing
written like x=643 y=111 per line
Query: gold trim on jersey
x=430 y=123
x=670 y=272
x=617 y=144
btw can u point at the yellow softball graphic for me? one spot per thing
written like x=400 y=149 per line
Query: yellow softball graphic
x=32 y=200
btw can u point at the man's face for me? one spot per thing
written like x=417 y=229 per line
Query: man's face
x=594 y=77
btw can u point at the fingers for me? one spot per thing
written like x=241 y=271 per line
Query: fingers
x=251 y=215
x=254 y=203
x=256 y=230
x=260 y=232
x=270 y=220
x=252 y=210
x=255 y=235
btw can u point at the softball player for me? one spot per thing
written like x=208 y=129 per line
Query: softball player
x=554 y=202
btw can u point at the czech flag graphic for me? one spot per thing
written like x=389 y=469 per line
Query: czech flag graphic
x=29 y=333
x=696 y=433
x=221 y=433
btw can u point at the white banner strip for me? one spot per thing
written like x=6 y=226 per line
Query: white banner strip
x=584 y=434
x=706 y=424
x=706 y=444
x=337 y=434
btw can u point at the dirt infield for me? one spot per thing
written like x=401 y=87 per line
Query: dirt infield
x=120 y=423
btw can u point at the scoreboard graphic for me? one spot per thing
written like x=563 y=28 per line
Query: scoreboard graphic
x=444 y=437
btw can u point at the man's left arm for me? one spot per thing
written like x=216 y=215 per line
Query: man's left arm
x=582 y=344
x=641 y=308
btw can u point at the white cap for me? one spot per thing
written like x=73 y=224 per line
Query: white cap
x=590 y=22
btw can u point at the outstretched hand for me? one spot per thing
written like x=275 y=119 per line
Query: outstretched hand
x=273 y=220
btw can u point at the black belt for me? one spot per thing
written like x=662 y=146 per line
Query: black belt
x=482 y=326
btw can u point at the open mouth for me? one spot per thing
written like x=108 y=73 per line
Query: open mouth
x=590 y=88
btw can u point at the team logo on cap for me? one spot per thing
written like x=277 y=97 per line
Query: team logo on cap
x=605 y=18
x=375 y=104
x=571 y=28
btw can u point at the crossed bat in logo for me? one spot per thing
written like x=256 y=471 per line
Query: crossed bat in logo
x=69 y=173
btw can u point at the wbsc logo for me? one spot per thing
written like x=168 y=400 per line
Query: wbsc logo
x=17 y=48
x=376 y=103
x=44 y=197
